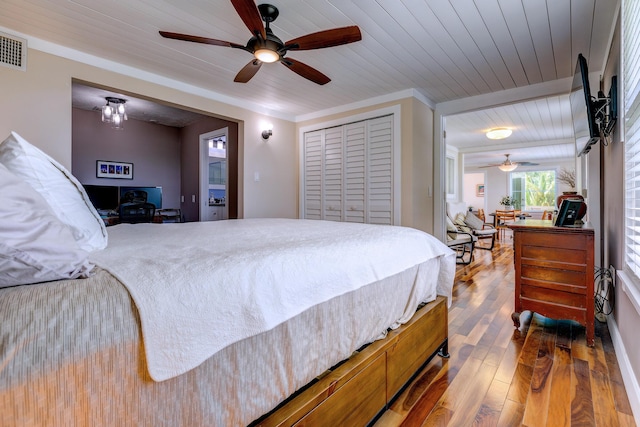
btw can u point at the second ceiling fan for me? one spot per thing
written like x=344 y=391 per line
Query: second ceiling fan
x=267 y=47
x=508 y=165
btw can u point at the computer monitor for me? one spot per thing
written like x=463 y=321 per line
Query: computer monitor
x=103 y=197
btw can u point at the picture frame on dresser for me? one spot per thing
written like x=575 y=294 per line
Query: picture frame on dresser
x=568 y=213
x=112 y=169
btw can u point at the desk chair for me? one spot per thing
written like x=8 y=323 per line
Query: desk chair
x=547 y=215
x=134 y=196
x=503 y=218
x=134 y=213
x=480 y=215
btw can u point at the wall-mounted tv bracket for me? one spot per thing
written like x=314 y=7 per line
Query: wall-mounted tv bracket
x=606 y=108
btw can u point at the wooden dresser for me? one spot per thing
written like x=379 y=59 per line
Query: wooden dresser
x=554 y=272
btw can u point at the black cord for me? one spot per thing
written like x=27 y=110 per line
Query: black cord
x=603 y=282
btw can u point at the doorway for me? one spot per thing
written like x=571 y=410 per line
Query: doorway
x=214 y=175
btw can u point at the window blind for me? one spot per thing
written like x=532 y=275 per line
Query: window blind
x=631 y=85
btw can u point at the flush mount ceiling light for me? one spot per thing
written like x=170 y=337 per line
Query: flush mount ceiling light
x=114 y=114
x=498 y=133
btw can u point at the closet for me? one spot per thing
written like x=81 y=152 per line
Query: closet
x=348 y=172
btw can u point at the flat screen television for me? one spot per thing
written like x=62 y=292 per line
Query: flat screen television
x=585 y=127
x=103 y=197
x=153 y=195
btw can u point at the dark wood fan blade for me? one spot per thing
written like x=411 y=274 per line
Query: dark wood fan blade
x=327 y=38
x=198 y=39
x=248 y=71
x=305 y=71
x=248 y=12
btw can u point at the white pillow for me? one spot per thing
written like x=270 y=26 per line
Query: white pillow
x=34 y=245
x=451 y=227
x=60 y=189
x=473 y=221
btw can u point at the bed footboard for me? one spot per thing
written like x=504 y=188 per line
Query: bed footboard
x=359 y=389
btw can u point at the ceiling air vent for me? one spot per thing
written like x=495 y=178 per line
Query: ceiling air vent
x=13 y=52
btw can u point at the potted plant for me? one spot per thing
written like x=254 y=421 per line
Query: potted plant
x=508 y=202
x=568 y=177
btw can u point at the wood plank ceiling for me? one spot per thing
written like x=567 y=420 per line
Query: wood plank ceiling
x=444 y=49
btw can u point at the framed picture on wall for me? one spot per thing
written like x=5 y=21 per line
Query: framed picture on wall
x=480 y=190
x=109 y=169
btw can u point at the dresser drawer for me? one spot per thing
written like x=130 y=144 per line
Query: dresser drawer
x=562 y=255
x=570 y=278
x=556 y=241
x=553 y=296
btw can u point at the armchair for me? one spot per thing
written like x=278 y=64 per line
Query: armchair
x=466 y=221
x=460 y=241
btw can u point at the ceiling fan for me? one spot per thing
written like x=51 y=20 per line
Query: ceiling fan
x=508 y=165
x=267 y=47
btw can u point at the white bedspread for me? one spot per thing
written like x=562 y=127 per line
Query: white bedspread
x=202 y=286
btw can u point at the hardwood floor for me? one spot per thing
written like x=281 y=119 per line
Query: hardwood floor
x=541 y=374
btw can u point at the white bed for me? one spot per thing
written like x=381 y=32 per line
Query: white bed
x=202 y=323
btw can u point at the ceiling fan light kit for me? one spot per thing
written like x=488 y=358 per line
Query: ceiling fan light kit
x=499 y=133
x=267 y=47
x=508 y=167
x=266 y=55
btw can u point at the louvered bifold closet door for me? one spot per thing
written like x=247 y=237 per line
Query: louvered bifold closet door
x=355 y=172
x=348 y=172
x=380 y=170
x=313 y=156
x=333 y=180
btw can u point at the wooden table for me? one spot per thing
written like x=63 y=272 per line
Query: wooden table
x=554 y=272
x=521 y=215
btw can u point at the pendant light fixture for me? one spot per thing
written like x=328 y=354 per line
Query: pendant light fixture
x=114 y=114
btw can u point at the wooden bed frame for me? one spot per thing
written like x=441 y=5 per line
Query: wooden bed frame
x=358 y=390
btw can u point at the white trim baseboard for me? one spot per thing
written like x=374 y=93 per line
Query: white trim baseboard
x=631 y=384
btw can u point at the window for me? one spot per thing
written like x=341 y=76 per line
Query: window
x=451 y=177
x=631 y=87
x=534 y=190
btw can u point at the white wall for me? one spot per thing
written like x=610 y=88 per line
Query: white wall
x=471 y=181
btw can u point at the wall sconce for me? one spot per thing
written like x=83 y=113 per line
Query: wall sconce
x=267 y=132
